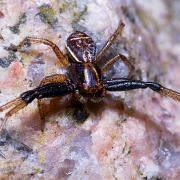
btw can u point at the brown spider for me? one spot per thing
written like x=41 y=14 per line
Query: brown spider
x=83 y=77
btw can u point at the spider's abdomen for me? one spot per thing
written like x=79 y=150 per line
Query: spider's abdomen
x=86 y=76
x=81 y=47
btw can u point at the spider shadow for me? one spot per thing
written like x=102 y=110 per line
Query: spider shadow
x=96 y=109
x=163 y=133
x=126 y=111
x=58 y=106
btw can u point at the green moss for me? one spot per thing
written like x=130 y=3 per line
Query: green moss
x=42 y=157
x=47 y=14
x=64 y=6
x=37 y=170
x=72 y=8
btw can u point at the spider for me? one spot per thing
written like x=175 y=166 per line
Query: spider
x=83 y=77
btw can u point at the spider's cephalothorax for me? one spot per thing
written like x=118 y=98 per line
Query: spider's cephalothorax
x=83 y=77
x=81 y=47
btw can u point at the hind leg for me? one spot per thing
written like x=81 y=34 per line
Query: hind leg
x=114 y=36
x=119 y=57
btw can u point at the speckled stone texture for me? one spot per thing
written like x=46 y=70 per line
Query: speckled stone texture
x=131 y=135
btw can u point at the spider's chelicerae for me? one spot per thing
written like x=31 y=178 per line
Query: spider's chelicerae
x=83 y=77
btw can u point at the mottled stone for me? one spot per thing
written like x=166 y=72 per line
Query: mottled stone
x=131 y=135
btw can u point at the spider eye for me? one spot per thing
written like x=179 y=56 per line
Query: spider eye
x=81 y=47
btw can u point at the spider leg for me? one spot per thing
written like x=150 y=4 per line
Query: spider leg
x=10 y=103
x=17 y=104
x=49 y=79
x=32 y=40
x=59 y=87
x=42 y=112
x=126 y=84
x=116 y=58
x=111 y=40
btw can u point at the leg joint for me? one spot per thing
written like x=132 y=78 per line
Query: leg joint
x=29 y=96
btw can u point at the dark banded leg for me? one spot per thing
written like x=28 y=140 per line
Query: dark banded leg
x=32 y=40
x=45 y=91
x=126 y=84
x=49 y=79
x=111 y=40
x=119 y=57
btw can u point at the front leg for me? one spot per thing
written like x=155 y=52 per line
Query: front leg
x=51 y=89
x=32 y=40
x=56 y=78
x=126 y=85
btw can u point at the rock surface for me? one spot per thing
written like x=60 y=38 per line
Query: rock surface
x=131 y=135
